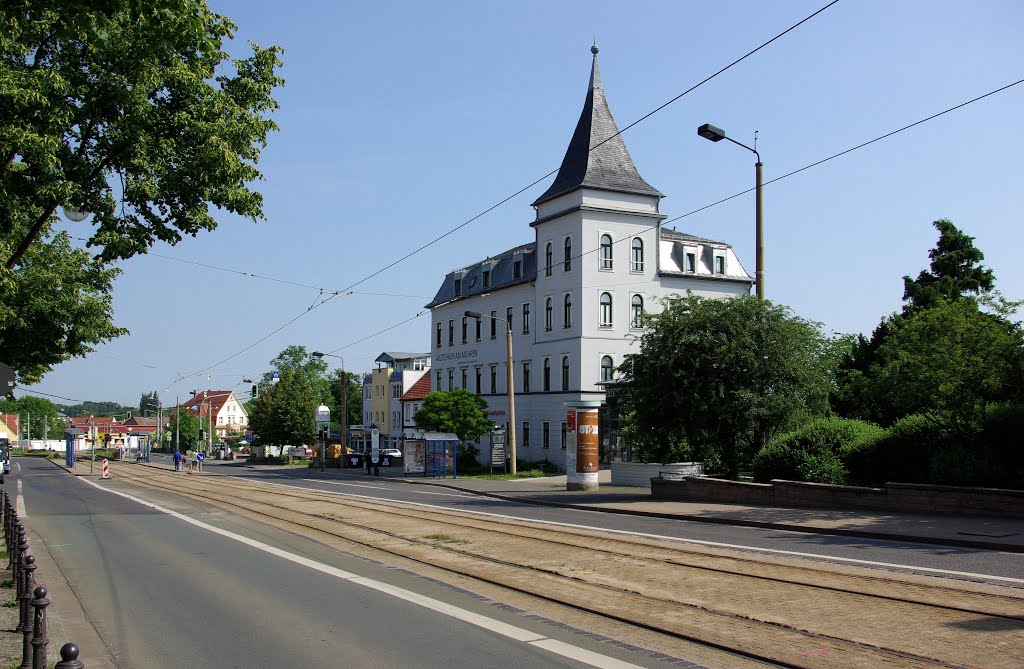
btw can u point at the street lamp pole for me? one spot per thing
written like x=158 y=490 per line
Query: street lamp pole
x=510 y=382
x=710 y=132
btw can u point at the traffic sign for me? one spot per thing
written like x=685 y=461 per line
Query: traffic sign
x=200 y=456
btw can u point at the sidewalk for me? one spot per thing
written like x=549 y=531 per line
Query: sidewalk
x=989 y=533
x=983 y=532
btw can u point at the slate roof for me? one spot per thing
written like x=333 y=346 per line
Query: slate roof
x=590 y=163
x=396 y=356
x=502 y=275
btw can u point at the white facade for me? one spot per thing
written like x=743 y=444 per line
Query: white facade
x=608 y=257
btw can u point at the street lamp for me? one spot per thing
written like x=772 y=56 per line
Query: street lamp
x=710 y=132
x=510 y=382
x=344 y=404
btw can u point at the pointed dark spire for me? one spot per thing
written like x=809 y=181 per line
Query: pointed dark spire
x=608 y=166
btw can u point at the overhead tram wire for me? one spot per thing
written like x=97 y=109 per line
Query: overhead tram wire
x=850 y=150
x=788 y=174
x=527 y=187
x=608 y=139
x=810 y=165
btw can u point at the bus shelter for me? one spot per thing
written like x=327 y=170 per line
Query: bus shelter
x=431 y=454
x=71 y=438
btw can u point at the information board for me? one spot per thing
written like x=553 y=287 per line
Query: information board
x=498 y=451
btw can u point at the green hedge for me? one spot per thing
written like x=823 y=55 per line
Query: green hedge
x=814 y=452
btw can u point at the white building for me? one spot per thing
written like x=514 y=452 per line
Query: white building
x=571 y=296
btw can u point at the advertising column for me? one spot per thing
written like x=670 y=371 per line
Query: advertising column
x=581 y=445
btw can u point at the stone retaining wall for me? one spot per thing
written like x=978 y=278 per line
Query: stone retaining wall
x=894 y=497
x=641 y=473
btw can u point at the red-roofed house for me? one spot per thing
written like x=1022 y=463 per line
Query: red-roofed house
x=412 y=400
x=224 y=410
x=10 y=426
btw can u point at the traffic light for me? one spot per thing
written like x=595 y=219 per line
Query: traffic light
x=255 y=390
x=200 y=434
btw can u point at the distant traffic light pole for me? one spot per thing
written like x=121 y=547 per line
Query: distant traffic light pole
x=510 y=382
x=710 y=132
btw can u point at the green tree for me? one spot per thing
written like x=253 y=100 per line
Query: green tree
x=354 y=393
x=950 y=363
x=56 y=305
x=183 y=429
x=715 y=378
x=148 y=404
x=458 y=411
x=134 y=113
x=292 y=417
x=955 y=270
x=955 y=273
x=39 y=416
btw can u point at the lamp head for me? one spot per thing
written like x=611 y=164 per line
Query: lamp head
x=317 y=354
x=473 y=314
x=708 y=131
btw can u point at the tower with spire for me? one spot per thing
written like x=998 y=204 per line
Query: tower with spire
x=599 y=258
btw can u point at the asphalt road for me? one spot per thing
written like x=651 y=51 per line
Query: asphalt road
x=208 y=589
x=889 y=555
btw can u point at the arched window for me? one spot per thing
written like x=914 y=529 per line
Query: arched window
x=547 y=259
x=605 y=254
x=638 y=255
x=567 y=311
x=547 y=314
x=606 y=310
x=567 y=260
x=565 y=372
x=636 y=311
x=606 y=368
x=547 y=374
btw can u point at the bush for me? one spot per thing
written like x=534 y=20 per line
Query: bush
x=812 y=452
x=902 y=453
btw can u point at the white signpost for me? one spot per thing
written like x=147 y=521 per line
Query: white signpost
x=375 y=445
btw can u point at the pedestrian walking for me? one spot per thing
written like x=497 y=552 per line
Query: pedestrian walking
x=177 y=460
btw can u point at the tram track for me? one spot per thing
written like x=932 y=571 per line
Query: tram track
x=616 y=577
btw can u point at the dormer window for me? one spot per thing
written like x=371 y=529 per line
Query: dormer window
x=517 y=269
x=458 y=287
x=719 y=264
x=691 y=262
x=487 y=278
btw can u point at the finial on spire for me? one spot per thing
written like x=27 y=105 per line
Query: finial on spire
x=594 y=48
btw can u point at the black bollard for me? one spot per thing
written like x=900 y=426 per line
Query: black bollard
x=69 y=658
x=26 y=630
x=39 y=640
x=25 y=587
x=19 y=551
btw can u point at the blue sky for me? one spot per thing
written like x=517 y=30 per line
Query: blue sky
x=401 y=120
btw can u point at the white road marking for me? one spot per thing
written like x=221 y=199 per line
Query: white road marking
x=700 y=542
x=20 y=504
x=491 y=624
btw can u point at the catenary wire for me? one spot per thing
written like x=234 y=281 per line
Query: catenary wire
x=521 y=190
x=608 y=139
x=788 y=174
x=804 y=168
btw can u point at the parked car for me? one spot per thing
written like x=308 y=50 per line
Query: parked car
x=389 y=454
x=301 y=452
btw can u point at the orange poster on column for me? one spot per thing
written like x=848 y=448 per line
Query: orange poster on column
x=586 y=442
